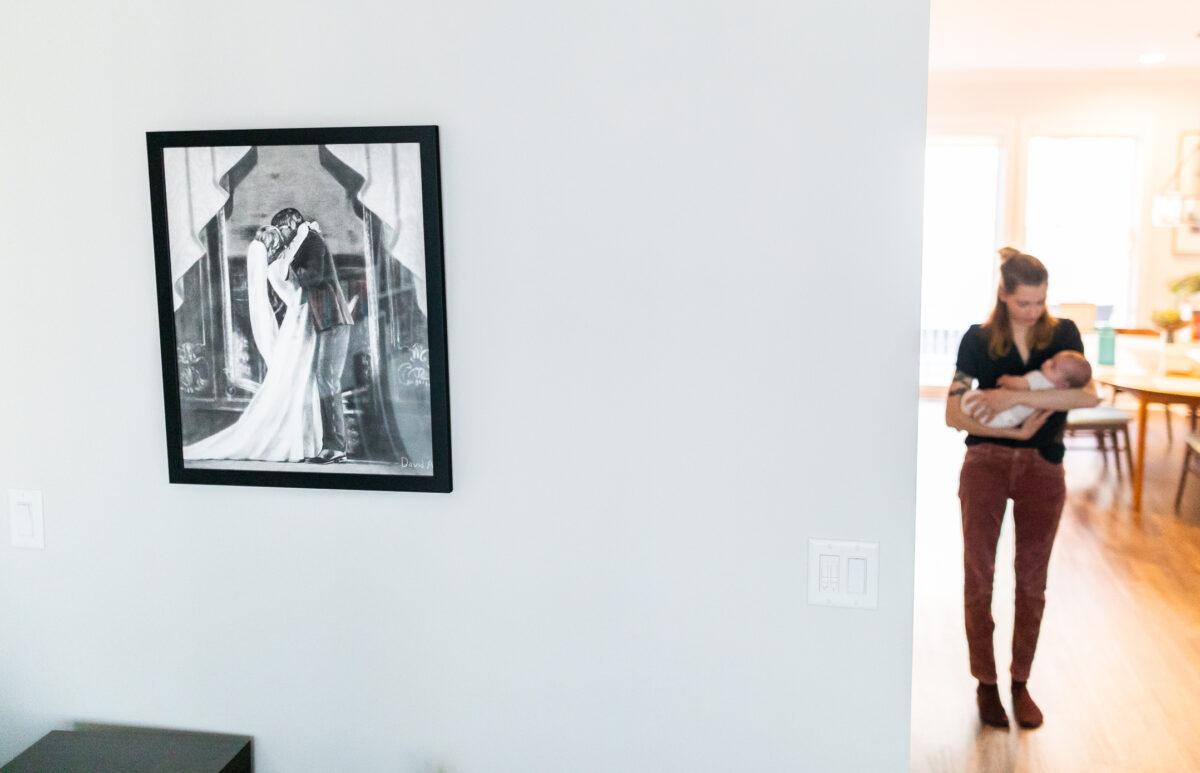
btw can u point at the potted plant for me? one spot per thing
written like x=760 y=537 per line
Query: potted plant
x=1173 y=359
x=1168 y=321
x=1187 y=290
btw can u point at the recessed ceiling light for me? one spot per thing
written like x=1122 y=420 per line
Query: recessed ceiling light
x=1152 y=57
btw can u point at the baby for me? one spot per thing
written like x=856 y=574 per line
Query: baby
x=1065 y=370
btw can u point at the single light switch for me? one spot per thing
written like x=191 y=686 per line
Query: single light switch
x=856 y=576
x=25 y=519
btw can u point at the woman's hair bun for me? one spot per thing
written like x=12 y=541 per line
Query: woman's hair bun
x=1008 y=252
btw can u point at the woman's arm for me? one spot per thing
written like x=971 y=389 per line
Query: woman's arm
x=956 y=418
x=993 y=401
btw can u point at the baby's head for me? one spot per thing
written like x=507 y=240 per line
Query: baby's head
x=1067 y=370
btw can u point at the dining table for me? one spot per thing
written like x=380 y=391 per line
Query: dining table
x=1149 y=388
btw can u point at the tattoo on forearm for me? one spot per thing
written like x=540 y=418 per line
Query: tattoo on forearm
x=961 y=383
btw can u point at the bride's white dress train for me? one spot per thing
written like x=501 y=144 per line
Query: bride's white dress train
x=282 y=422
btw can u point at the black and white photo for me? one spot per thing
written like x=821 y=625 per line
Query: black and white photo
x=302 y=307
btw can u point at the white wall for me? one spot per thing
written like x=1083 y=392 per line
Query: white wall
x=1153 y=106
x=677 y=351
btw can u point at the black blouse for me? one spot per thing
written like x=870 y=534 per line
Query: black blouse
x=975 y=361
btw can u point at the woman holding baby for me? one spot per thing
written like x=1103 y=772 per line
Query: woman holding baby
x=1022 y=358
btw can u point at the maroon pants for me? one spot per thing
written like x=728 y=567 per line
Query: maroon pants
x=991 y=475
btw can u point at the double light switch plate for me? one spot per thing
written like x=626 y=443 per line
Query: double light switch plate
x=843 y=574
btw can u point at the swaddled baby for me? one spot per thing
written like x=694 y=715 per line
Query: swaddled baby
x=1065 y=370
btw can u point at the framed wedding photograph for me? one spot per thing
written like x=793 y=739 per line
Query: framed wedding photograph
x=302 y=307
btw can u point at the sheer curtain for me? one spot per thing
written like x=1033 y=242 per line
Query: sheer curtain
x=195 y=194
x=392 y=192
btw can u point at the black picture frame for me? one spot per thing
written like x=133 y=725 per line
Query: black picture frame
x=309 y=475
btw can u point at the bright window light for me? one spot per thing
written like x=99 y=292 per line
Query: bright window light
x=962 y=188
x=1080 y=209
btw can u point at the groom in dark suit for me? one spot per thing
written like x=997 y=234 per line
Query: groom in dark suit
x=315 y=272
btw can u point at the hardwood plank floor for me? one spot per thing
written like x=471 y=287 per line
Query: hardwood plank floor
x=1117 y=672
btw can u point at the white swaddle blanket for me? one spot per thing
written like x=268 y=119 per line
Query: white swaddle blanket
x=1011 y=417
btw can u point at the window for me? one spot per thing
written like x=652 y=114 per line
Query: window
x=1080 y=210
x=962 y=205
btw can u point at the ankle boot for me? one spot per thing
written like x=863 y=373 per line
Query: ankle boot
x=1026 y=711
x=991 y=710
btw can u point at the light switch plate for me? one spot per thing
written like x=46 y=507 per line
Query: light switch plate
x=833 y=581
x=25 y=519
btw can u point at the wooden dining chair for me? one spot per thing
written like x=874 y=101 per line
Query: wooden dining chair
x=1109 y=426
x=1191 y=455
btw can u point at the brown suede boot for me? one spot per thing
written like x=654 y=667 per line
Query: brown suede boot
x=1027 y=712
x=991 y=710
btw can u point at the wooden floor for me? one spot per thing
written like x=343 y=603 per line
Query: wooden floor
x=1117 y=672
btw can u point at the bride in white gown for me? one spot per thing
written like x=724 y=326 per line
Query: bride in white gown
x=282 y=423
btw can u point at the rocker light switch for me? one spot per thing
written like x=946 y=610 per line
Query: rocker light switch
x=25 y=519
x=856 y=576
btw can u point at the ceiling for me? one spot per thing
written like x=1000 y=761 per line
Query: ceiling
x=1062 y=34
